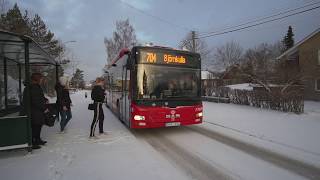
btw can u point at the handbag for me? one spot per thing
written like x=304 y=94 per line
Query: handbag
x=51 y=116
x=49 y=119
x=91 y=106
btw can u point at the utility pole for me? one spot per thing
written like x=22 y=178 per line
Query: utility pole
x=193 y=41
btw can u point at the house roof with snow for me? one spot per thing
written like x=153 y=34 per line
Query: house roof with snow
x=294 y=49
x=215 y=68
x=205 y=74
x=209 y=75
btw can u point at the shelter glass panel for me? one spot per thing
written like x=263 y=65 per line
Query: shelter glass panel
x=13 y=84
x=2 y=94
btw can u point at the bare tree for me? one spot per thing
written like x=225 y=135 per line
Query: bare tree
x=201 y=47
x=123 y=37
x=259 y=62
x=260 y=66
x=228 y=55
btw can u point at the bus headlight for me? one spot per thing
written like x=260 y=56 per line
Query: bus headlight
x=200 y=114
x=138 y=118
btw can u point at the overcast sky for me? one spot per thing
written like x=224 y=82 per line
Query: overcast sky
x=88 y=21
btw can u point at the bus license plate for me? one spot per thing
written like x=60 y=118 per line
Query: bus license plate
x=170 y=124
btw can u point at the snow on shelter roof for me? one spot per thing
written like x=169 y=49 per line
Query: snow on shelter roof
x=294 y=48
x=12 y=46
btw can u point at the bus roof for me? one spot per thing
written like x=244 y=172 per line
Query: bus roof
x=136 y=48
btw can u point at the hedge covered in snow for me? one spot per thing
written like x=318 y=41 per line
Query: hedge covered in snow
x=276 y=97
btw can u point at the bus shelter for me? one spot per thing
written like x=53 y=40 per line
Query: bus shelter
x=20 y=55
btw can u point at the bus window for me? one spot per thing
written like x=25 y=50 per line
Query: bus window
x=156 y=82
x=127 y=80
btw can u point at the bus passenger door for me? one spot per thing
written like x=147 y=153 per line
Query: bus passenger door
x=126 y=99
x=122 y=95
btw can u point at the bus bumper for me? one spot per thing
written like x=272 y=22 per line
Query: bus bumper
x=146 y=124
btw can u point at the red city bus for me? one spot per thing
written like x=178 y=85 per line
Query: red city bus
x=154 y=87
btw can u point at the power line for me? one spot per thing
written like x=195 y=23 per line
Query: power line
x=256 y=24
x=311 y=3
x=263 y=18
x=153 y=16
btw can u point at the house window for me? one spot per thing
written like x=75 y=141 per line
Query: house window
x=317 y=85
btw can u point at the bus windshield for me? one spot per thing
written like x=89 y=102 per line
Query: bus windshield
x=156 y=82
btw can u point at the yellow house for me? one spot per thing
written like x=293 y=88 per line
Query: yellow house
x=304 y=58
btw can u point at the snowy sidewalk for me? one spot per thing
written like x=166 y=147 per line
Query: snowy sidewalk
x=72 y=155
x=289 y=134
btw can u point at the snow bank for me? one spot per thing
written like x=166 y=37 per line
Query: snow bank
x=286 y=133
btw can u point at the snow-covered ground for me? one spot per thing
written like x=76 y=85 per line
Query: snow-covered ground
x=170 y=153
x=72 y=155
x=290 y=134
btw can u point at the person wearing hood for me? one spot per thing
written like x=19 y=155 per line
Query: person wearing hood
x=63 y=102
x=98 y=96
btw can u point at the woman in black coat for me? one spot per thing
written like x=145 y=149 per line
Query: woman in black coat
x=97 y=95
x=38 y=108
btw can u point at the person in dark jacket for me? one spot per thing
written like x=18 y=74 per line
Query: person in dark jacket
x=98 y=95
x=58 y=87
x=38 y=108
x=63 y=102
